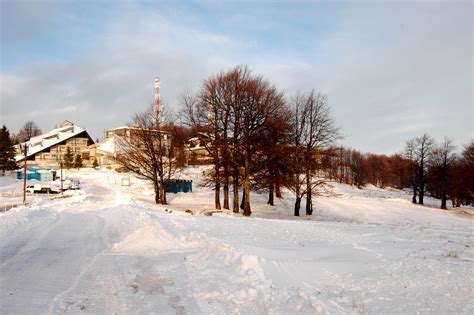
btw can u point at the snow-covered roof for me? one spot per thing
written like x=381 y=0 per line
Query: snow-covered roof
x=134 y=128
x=112 y=145
x=49 y=139
x=121 y=127
x=43 y=171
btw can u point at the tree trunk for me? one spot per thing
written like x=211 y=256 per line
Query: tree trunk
x=271 y=188
x=420 y=197
x=247 y=210
x=422 y=184
x=235 y=184
x=217 y=195
x=309 y=201
x=443 y=202
x=297 y=206
x=226 y=186
x=277 y=185
x=156 y=188
x=163 y=193
x=217 y=192
x=225 y=163
x=242 y=202
x=413 y=199
x=298 y=197
x=444 y=193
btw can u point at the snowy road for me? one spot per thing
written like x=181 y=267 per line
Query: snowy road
x=45 y=262
x=106 y=252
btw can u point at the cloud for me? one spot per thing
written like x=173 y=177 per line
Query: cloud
x=391 y=71
x=17 y=17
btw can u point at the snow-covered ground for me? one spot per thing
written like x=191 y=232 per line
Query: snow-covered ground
x=109 y=249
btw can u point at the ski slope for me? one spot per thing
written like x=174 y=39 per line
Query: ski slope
x=109 y=249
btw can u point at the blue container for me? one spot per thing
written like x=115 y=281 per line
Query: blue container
x=32 y=173
x=179 y=185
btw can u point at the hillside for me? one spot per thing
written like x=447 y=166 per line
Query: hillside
x=108 y=248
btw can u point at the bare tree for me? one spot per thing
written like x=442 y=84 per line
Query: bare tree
x=28 y=131
x=358 y=168
x=298 y=129
x=320 y=133
x=201 y=117
x=237 y=78
x=150 y=152
x=273 y=148
x=411 y=156
x=418 y=151
x=423 y=147
x=261 y=102
x=313 y=131
x=462 y=184
x=441 y=163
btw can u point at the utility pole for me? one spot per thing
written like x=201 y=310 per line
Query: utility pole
x=24 y=175
x=61 y=165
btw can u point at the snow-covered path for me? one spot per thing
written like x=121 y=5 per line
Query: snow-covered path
x=47 y=261
x=105 y=251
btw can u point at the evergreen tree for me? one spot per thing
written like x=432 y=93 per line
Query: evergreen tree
x=95 y=163
x=68 y=158
x=7 y=151
x=78 y=161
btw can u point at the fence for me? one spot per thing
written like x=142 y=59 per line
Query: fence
x=7 y=206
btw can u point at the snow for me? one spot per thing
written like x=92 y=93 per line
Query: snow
x=109 y=249
x=112 y=145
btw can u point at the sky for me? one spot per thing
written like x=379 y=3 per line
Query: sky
x=392 y=70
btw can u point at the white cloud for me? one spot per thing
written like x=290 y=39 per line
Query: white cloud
x=391 y=71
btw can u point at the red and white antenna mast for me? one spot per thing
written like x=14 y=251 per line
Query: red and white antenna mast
x=158 y=105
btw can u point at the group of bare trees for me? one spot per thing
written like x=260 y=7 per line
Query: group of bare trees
x=28 y=131
x=352 y=167
x=434 y=167
x=257 y=139
x=426 y=167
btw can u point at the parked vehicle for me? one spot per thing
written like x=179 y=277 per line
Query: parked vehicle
x=75 y=184
x=34 y=188
x=40 y=189
x=31 y=189
x=47 y=190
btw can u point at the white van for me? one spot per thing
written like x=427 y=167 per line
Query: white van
x=33 y=188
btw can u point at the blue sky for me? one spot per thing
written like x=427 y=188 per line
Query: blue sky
x=391 y=70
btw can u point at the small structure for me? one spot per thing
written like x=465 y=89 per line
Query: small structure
x=126 y=181
x=45 y=175
x=179 y=185
x=196 y=151
x=41 y=174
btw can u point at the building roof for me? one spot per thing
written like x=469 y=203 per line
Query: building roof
x=136 y=128
x=112 y=145
x=51 y=138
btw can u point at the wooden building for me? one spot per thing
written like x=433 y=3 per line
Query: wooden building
x=48 y=149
